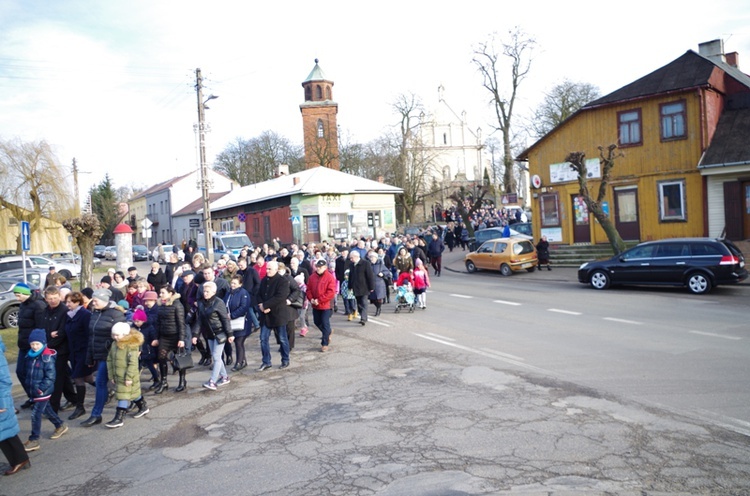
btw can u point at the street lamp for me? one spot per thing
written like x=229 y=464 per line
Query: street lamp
x=204 y=167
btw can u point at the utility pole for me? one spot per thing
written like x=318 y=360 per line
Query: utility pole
x=204 y=167
x=75 y=185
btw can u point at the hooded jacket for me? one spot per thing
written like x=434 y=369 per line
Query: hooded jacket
x=122 y=365
x=40 y=375
x=100 y=331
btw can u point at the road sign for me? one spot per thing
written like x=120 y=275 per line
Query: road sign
x=25 y=236
x=295 y=220
x=146 y=223
x=146 y=233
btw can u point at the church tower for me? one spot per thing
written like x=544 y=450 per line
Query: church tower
x=320 y=132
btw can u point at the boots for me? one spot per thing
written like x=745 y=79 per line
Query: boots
x=202 y=350
x=142 y=406
x=117 y=421
x=154 y=385
x=182 y=384
x=80 y=396
x=163 y=386
x=377 y=311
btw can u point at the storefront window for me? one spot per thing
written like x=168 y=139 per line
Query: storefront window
x=337 y=225
x=550 y=210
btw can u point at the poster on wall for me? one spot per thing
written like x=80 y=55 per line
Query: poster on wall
x=562 y=172
x=554 y=234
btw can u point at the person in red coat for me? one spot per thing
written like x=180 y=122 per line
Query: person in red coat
x=321 y=290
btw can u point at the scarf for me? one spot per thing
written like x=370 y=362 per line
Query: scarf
x=34 y=354
x=72 y=313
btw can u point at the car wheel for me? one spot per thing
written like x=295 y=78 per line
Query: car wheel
x=506 y=270
x=531 y=269
x=66 y=274
x=699 y=283
x=470 y=266
x=599 y=280
x=10 y=317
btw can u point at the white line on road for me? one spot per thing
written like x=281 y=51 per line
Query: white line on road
x=461 y=296
x=566 y=312
x=439 y=336
x=485 y=354
x=506 y=302
x=384 y=324
x=733 y=338
x=505 y=355
x=623 y=321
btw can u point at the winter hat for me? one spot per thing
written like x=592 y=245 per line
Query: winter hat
x=21 y=288
x=103 y=295
x=419 y=262
x=121 y=329
x=321 y=263
x=88 y=293
x=140 y=315
x=188 y=273
x=150 y=295
x=124 y=304
x=300 y=278
x=38 y=335
x=106 y=279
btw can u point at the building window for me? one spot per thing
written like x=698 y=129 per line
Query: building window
x=328 y=93
x=672 y=200
x=630 y=127
x=673 y=120
x=338 y=226
x=321 y=132
x=550 y=210
x=318 y=92
x=445 y=138
x=227 y=225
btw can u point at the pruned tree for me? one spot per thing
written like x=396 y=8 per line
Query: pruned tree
x=502 y=73
x=33 y=183
x=86 y=232
x=255 y=160
x=607 y=157
x=562 y=101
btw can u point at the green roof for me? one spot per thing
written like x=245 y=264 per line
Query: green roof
x=316 y=74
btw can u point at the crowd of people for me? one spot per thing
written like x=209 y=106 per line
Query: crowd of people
x=107 y=336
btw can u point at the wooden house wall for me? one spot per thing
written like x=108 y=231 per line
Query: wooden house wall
x=644 y=165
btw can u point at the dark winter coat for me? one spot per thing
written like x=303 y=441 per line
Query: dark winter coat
x=54 y=320
x=171 y=320
x=158 y=280
x=436 y=248
x=40 y=375
x=189 y=300
x=380 y=281
x=295 y=294
x=222 y=288
x=238 y=303
x=361 y=280
x=100 y=331
x=272 y=294
x=340 y=268
x=542 y=251
x=30 y=317
x=213 y=317
x=77 y=330
x=251 y=283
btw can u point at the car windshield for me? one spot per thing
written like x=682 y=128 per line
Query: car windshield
x=236 y=242
x=523 y=247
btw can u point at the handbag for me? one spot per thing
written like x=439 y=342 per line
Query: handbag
x=182 y=360
x=220 y=337
x=298 y=302
x=238 y=324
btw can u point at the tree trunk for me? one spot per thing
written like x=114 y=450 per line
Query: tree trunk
x=618 y=245
x=86 y=245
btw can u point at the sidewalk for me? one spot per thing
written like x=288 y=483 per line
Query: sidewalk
x=454 y=262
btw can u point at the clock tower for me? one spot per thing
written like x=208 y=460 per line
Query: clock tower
x=320 y=131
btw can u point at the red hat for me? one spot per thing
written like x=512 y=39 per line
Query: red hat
x=150 y=295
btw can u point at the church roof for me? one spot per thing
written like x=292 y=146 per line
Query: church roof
x=316 y=74
x=315 y=181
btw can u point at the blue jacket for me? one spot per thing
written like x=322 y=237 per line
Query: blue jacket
x=40 y=375
x=77 y=330
x=238 y=303
x=8 y=420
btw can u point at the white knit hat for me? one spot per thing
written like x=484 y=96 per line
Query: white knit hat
x=121 y=329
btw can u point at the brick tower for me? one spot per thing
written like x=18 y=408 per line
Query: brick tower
x=320 y=132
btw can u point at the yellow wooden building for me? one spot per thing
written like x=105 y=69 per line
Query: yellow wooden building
x=662 y=123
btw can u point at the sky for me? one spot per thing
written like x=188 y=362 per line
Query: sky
x=112 y=83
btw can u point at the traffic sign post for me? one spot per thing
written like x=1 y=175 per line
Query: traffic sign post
x=25 y=244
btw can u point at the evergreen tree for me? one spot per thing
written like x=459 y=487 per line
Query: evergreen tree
x=104 y=206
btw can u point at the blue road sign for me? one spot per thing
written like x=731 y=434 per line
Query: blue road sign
x=25 y=236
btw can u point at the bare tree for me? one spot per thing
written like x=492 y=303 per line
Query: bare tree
x=412 y=163
x=255 y=160
x=86 y=232
x=607 y=158
x=33 y=183
x=503 y=87
x=562 y=101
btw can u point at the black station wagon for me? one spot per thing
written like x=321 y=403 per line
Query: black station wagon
x=698 y=263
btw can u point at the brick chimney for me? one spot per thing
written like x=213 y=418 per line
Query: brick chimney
x=733 y=59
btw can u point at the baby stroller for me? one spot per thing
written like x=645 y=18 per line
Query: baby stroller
x=405 y=298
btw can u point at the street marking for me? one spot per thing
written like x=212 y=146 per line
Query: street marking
x=439 y=336
x=461 y=296
x=506 y=302
x=505 y=355
x=566 y=312
x=485 y=354
x=623 y=321
x=384 y=324
x=733 y=338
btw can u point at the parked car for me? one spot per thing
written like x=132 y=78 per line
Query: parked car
x=522 y=228
x=8 y=302
x=35 y=275
x=68 y=257
x=69 y=270
x=140 y=253
x=698 y=263
x=507 y=255
x=13 y=262
x=491 y=233
x=99 y=251
x=110 y=253
x=167 y=251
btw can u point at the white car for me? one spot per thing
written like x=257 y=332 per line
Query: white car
x=110 y=253
x=69 y=257
x=167 y=251
x=73 y=269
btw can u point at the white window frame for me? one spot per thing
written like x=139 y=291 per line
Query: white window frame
x=664 y=215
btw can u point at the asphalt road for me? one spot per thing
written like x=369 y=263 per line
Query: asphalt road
x=532 y=385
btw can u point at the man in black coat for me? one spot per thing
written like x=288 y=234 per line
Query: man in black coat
x=55 y=317
x=361 y=282
x=222 y=286
x=272 y=304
